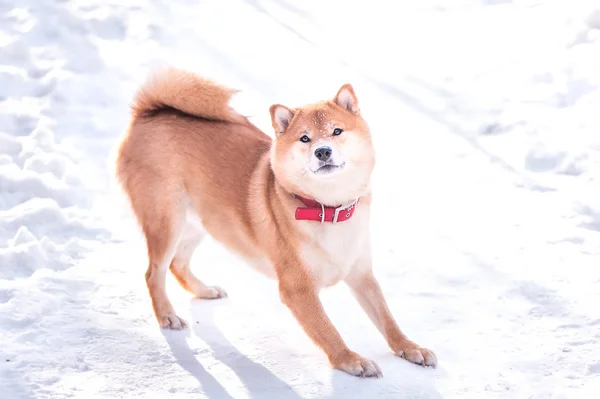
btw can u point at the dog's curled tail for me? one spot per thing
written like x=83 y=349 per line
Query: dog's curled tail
x=186 y=92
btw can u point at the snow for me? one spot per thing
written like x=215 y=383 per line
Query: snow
x=486 y=218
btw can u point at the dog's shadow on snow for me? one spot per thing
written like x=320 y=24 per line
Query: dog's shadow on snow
x=401 y=379
x=258 y=380
x=187 y=360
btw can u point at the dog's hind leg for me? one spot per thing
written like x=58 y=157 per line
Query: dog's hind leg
x=162 y=222
x=191 y=237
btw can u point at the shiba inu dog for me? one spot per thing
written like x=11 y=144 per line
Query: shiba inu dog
x=295 y=206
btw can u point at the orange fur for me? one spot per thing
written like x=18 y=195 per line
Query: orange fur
x=186 y=92
x=191 y=166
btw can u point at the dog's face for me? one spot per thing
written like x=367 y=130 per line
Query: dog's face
x=323 y=150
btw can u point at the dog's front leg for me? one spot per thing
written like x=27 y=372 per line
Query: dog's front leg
x=299 y=294
x=367 y=291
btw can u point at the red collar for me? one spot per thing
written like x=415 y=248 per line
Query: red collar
x=316 y=211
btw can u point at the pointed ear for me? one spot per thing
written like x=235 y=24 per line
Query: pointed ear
x=346 y=98
x=280 y=118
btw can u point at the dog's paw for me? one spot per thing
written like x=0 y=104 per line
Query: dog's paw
x=171 y=321
x=415 y=354
x=353 y=363
x=213 y=292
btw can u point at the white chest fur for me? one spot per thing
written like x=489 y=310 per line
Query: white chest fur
x=331 y=251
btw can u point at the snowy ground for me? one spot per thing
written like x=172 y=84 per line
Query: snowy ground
x=486 y=226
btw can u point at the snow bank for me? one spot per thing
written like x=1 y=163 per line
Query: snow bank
x=45 y=197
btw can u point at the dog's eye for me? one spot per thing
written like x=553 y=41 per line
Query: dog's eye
x=305 y=139
x=337 y=131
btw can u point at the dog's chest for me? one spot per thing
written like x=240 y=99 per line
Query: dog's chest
x=331 y=251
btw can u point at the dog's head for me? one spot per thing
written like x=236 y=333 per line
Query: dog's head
x=324 y=150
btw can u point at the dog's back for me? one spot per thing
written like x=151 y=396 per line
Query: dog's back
x=182 y=131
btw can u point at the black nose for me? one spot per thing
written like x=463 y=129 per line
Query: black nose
x=323 y=153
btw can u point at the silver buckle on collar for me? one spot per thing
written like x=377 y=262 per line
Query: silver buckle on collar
x=337 y=211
